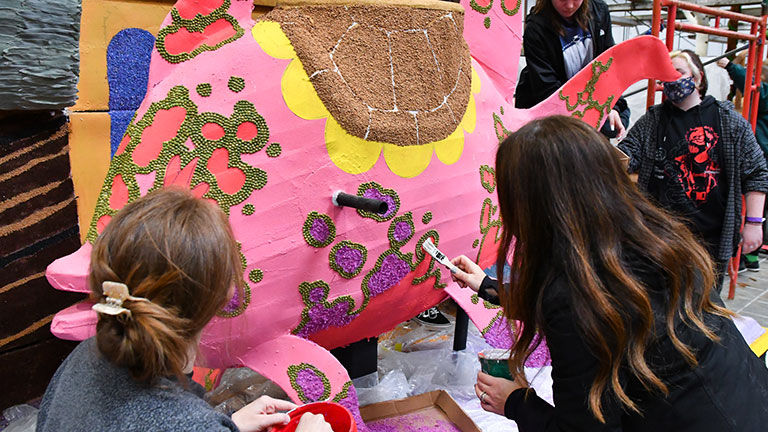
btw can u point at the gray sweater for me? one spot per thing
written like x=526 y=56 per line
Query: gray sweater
x=88 y=393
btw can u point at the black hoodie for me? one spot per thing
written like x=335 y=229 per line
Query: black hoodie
x=687 y=172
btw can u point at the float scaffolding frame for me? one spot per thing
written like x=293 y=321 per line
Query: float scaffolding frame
x=756 y=39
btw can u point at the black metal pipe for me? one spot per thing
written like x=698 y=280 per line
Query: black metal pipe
x=373 y=205
x=460 y=332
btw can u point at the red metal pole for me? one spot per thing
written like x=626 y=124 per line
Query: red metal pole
x=758 y=73
x=714 y=31
x=655 y=29
x=711 y=11
x=671 y=17
x=746 y=109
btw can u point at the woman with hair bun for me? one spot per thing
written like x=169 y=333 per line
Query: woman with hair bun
x=160 y=271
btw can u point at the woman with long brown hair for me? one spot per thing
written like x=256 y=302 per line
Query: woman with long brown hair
x=621 y=291
x=160 y=271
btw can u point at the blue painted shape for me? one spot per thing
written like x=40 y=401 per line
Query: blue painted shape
x=128 y=56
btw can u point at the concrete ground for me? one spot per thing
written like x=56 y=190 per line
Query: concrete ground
x=751 y=297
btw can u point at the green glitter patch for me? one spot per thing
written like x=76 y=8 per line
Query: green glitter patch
x=236 y=84
x=293 y=373
x=204 y=89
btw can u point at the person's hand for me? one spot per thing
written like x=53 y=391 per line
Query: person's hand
x=751 y=238
x=723 y=62
x=494 y=391
x=262 y=414
x=471 y=275
x=614 y=119
x=313 y=423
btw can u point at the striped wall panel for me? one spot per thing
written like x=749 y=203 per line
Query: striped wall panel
x=38 y=223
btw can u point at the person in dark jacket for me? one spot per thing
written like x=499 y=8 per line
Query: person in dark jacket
x=161 y=270
x=560 y=38
x=621 y=291
x=738 y=75
x=696 y=156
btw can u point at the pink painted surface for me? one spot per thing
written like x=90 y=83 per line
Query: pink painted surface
x=302 y=179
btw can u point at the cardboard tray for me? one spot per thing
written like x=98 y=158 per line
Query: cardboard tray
x=437 y=404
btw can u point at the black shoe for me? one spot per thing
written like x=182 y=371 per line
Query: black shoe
x=742 y=266
x=752 y=266
x=433 y=318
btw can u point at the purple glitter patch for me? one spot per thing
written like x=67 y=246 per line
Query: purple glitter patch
x=233 y=303
x=349 y=259
x=350 y=403
x=311 y=384
x=375 y=194
x=499 y=335
x=392 y=271
x=320 y=318
x=540 y=356
x=413 y=422
x=317 y=295
x=319 y=230
x=402 y=231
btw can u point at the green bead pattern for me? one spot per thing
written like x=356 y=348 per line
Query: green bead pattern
x=433 y=270
x=204 y=89
x=427 y=218
x=337 y=268
x=343 y=393
x=488 y=185
x=305 y=288
x=586 y=98
x=196 y=25
x=236 y=84
x=274 y=150
x=389 y=192
x=248 y=209
x=486 y=304
x=256 y=275
x=293 y=373
x=308 y=225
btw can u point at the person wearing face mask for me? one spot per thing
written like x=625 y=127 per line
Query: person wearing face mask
x=562 y=37
x=695 y=156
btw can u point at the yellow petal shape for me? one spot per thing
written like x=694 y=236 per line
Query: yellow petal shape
x=469 y=121
x=408 y=161
x=449 y=149
x=351 y=154
x=475 y=85
x=300 y=95
x=272 y=40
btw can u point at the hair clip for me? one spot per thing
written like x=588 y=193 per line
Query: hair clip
x=116 y=293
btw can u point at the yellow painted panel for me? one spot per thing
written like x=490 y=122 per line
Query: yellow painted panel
x=89 y=158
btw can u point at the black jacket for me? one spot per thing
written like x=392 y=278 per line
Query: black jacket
x=726 y=392
x=544 y=72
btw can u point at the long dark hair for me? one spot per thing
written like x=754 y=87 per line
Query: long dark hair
x=562 y=188
x=546 y=9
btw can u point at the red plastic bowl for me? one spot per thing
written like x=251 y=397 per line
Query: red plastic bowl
x=336 y=415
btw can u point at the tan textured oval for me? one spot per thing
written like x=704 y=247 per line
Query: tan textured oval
x=392 y=74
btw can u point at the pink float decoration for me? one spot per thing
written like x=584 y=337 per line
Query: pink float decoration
x=220 y=119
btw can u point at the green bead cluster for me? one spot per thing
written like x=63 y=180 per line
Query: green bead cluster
x=406 y=218
x=432 y=270
x=340 y=396
x=191 y=128
x=274 y=150
x=498 y=126
x=311 y=217
x=305 y=288
x=486 y=304
x=337 y=268
x=256 y=275
x=196 y=25
x=488 y=185
x=293 y=373
x=485 y=9
x=204 y=89
x=248 y=209
x=375 y=216
x=236 y=84
x=427 y=218
x=586 y=96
